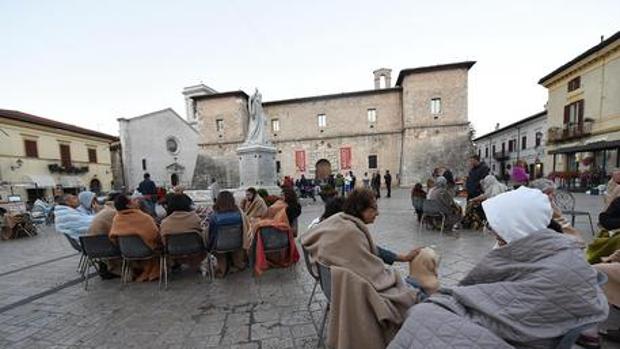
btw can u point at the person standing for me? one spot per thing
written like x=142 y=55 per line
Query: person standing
x=478 y=171
x=376 y=184
x=353 y=180
x=388 y=183
x=366 y=181
x=215 y=189
x=148 y=189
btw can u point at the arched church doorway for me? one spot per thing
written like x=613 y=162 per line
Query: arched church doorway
x=323 y=169
x=174 y=179
x=95 y=186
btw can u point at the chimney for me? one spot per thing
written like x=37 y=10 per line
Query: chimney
x=497 y=126
x=384 y=73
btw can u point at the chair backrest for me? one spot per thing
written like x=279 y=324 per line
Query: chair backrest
x=431 y=207
x=569 y=338
x=132 y=247
x=76 y=245
x=274 y=239
x=229 y=238
x=325 y=279
x=309 y=266
x=99 y=246
x=565 y=200
x=184 y=244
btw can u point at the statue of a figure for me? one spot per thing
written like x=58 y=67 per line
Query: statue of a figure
x=256 y=127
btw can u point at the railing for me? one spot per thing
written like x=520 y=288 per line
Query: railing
x=501 y=155
x=568 y=132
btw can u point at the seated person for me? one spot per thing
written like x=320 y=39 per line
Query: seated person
x=253 y=204
x=88 y=203
x=447 y=206
x=557 y=219
x=344 y=243
x=474 y=216
x=608 y=239
x=130 y=220
x=69 y=220
x=101 y=225
x=225 y=212
x=528 y=292
x=293 y=208
x=182 y=219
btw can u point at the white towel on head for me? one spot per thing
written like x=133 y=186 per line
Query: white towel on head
x=518 y=213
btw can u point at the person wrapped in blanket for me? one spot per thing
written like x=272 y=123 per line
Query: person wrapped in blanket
x=474 y=215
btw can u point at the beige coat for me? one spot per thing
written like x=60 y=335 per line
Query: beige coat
x=181 y=222
x=102 y=223
x=369 y=301
x=255 y=209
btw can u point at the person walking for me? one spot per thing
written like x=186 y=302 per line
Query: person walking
x=388 y=183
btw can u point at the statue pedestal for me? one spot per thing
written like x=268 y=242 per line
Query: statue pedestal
x=257 y=166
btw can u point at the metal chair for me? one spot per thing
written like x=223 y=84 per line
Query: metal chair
x=229 y=239
x=178 y=246
x=312 y=273
x=133 y=249
x=325 y=280
x=566 y=202
x=76 y=246
x=97 y=248
x=430 y=208
x=274 y=240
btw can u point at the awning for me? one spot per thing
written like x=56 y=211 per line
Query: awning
x=587 y=147
x=42 y=181
x=71 y=182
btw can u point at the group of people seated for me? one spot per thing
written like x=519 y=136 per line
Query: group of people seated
x=123 y=215
x=532 y=288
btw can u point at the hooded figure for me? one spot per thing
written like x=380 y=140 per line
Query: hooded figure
x=511 y=221
x=86 y=202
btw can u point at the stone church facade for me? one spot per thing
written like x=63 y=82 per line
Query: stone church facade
x=419 y=123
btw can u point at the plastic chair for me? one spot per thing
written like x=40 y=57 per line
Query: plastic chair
x=229 y=239
x=566 y=202
x=76 y=246
x=97 y=248
x=325 y=280
x=312 y=273
x=179 y=245
x=133 y=249
x=430 y=208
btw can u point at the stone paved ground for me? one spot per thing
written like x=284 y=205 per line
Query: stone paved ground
x=42 y=304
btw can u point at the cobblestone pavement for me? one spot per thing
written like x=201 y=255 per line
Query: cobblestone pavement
x=42 y=304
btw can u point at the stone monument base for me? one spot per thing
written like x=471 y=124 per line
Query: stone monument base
x=257 y=166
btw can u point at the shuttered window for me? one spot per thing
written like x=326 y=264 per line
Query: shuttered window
x=31 y=148
x=92 y=155
x=65 y=155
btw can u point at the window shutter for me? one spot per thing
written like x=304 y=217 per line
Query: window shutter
x=580 y=112
x=300 y=160
x=345 y=158
x=566 y=114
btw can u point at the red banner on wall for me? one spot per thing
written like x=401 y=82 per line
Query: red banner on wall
x=300 y=160
x=345 y=158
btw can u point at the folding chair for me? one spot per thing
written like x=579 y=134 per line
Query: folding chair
x=229 y=239
x=325 y=280
x=430 y=208
x=97 y=248
x=76 y=246
x=566 y=202
x=178 y=246
x=133 y=249
x=312 y=273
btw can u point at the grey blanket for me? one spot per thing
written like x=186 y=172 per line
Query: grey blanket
x=524 y=295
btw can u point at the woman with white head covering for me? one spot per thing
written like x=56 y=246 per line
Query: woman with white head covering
x=447 y=206
x=88 y=204
x=515 y=215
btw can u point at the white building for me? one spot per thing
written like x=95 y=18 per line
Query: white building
x=160 y=143
x=522 y=140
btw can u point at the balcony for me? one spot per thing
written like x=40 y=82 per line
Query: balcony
x=501 y=155
x=569 y=132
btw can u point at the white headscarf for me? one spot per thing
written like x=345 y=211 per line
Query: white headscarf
x=492 y=187
x=518 y=213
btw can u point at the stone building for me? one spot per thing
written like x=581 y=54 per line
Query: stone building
x=160 y=143
x=522 y=140
x=409 y=128
x=584 y=114
x=39 y=155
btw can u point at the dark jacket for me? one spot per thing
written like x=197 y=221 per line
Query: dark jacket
x=610 y=218
x=222 y=219
x=147 y=187
x=388 y=179
x=476 y=174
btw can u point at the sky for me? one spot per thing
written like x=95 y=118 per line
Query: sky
x=88 y=63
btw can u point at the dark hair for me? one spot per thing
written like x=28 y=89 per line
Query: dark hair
x=475 y=157
x=178 y=202
x=332 y=206
x=113 y=195
x=147 y=175
x=358 y=201
x=290 y=197
x=225 y=202
x=251 y=190
x=121 y=202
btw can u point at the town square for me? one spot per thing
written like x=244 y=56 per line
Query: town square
x=336 y=175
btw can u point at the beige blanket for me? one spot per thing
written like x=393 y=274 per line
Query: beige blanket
x=369 y=304
x=255 y=209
